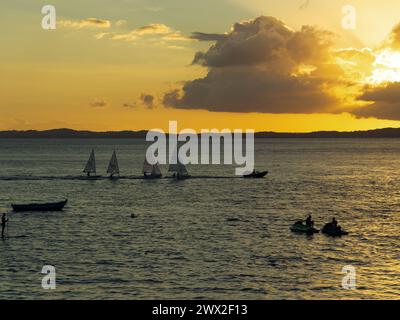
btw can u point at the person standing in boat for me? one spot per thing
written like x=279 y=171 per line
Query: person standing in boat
x=4 y=221
x=309 y=221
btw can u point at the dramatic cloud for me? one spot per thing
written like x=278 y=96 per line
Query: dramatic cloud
x=91 y=22
x=384 y=95
x=262 y=65
x=99 y=103
x=385 y=103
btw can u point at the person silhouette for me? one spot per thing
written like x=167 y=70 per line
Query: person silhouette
x=4 y=221
x=309 y=222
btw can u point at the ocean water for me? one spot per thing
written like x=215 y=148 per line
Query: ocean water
x=213 y=237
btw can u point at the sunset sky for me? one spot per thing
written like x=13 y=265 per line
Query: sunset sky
x=266 y=65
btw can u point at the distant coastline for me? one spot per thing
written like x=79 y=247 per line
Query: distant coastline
x=77 y=134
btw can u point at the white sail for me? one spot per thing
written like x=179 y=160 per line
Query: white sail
x=113 y=167
x=91 y=164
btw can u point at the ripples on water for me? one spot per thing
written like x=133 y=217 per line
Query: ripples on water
x=207 y=238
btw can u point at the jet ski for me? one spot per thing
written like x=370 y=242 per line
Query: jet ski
x=300 y=227
x=334 y=231
x=255 y=175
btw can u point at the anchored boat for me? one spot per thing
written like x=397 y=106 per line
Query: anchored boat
x=55 y=206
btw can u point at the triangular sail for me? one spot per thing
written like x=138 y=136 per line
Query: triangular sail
x=91 y=164
x=113 y=167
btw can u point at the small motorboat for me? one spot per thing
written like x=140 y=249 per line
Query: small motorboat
x=55 y=206
x=300 y=227
x=334 y=231
x=256 y=175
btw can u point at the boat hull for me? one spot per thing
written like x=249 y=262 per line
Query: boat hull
x=333 y=232
x=91 y=178
x=257 y=175
x=56 y=206
x=152 y=177
x=182 y=177
x=301 y=228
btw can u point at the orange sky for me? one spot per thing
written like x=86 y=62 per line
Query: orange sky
x=86 y=76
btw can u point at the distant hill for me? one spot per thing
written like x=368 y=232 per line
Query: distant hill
x=74 y=134
x=71 y=134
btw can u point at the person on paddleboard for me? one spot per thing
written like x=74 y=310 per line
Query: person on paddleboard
x=4 y=221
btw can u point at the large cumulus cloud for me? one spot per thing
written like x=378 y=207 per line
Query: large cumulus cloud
x=262 y=65
x=384 y=99
x=252 y=89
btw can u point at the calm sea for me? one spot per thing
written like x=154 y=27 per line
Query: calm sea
x=214 y=237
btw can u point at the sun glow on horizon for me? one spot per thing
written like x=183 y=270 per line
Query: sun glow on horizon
x=386 y=68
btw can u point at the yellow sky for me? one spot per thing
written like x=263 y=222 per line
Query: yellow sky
x=52 y=79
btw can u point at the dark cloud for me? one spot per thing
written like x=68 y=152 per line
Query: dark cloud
x=207 y=36
x=147 y=100
x=261 y=65
x=249 y=89
x=385 y=103
x=266 y=40
x=171 y=98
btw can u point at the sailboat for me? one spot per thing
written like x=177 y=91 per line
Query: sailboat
x=182 y=172
x=179 y=169
x=113 y=167
x=90 y=167
x=151 y=171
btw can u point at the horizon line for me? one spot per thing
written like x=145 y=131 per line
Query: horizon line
x=155 y=130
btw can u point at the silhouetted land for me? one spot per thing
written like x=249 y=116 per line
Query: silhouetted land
x=73 y=134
